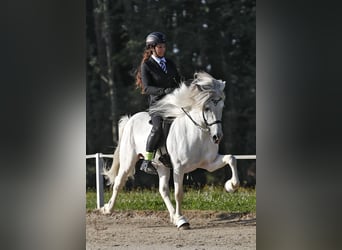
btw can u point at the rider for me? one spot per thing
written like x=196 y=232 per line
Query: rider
x=156 y=76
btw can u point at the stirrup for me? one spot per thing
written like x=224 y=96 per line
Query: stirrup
x=148 y=168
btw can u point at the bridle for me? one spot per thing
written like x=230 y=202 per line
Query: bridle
x=210 y=124
x=207 y=125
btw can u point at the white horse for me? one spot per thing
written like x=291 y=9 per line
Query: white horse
x=192 y=141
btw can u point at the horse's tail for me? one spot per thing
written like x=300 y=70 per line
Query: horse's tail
x=113 y=171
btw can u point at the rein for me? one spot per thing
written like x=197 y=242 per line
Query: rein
x=204 y=129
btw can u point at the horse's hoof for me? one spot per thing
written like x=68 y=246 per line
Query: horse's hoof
x=103 y=210
x=229 y=187
x=183 y=223
x=185 y=226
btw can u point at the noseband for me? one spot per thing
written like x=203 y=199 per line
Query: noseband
x=207 y=125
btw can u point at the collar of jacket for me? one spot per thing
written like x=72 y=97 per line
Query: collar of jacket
x=158 y=60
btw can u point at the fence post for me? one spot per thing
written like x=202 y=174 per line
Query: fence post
x=99 y=181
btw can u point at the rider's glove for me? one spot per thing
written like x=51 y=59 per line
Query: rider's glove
x=168 y=90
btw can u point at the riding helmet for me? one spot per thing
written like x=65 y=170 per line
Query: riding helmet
x=154 y=38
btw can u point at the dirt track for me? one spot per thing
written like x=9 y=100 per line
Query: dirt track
x=152 y=230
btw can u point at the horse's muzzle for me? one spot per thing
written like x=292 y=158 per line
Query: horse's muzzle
x=216 y=139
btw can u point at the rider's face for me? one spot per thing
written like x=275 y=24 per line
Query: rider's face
x=160 y=49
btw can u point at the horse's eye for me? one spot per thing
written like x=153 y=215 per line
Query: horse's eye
x=206 y=109
x=216 y=101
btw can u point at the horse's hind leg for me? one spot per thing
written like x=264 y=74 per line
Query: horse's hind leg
x=120 y=180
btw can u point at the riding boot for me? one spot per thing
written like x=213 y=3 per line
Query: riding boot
x=152 y=145
x=146 y=164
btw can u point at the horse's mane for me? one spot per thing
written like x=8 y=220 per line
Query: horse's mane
x=189 y=96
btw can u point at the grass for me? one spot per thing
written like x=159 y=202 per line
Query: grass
x=207 y=198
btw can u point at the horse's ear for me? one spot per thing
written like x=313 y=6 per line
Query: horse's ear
x=223 y=85
x=220 y=85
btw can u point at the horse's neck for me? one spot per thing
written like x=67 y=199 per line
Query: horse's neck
x=196 y=116
x=188 y=129
x=189 y=143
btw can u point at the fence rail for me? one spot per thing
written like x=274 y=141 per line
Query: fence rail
x=99 y=166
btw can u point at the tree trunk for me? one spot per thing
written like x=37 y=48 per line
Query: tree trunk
x=110 y=70
x=104 y=55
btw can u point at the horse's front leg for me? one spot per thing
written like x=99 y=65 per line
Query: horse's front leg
x=220 y=161
x=179 y=220
x=164 y=190
x=232 y=184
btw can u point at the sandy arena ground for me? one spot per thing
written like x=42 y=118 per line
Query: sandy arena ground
x=152 y=230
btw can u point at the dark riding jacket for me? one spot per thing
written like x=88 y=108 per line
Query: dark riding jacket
x=156 y=81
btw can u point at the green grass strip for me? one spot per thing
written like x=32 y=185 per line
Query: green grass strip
x=208 y=198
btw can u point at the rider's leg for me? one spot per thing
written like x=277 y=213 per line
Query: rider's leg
x=152 y=145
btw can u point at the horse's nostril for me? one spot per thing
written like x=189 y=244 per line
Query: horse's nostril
x=216 y=139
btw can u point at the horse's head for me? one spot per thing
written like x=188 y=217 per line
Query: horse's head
x=212 y=115
x=213 y=105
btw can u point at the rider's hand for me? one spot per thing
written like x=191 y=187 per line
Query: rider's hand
x=168 y=90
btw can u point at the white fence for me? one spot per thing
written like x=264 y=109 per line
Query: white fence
x=99 y=166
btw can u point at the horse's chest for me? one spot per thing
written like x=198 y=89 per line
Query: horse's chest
x=191 y=146
x=205 y=152
x=191 y=150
